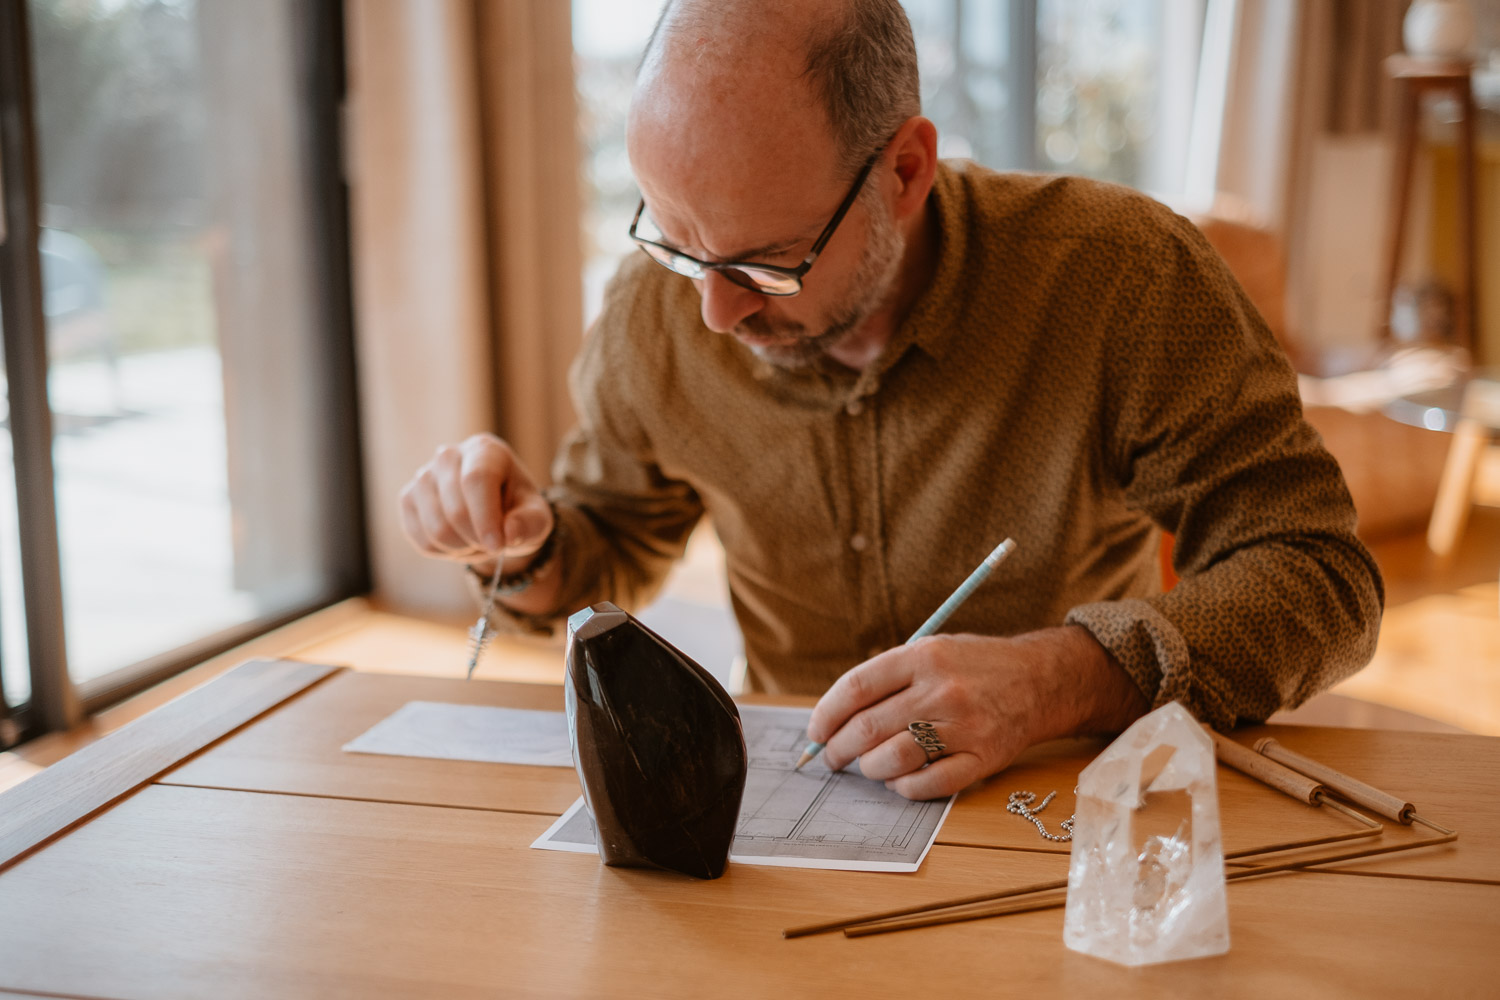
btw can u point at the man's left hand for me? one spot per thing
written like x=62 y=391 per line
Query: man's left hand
x=988 y=699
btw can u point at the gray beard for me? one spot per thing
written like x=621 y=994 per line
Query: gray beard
x=870 y=288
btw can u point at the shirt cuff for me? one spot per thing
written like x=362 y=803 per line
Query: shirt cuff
x=1154 y=654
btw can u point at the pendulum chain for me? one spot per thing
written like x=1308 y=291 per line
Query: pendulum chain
x=1020 y=805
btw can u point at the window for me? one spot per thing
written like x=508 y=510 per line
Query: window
x=184 y=383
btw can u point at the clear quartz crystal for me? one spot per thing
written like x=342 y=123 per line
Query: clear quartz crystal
x=1146 y=880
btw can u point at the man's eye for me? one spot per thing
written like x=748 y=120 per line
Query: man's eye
x=780 y=258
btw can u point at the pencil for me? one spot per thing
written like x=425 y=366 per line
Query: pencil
x=941 y=615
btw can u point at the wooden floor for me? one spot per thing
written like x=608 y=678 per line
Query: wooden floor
x=1439 y=651
x=1437 y=665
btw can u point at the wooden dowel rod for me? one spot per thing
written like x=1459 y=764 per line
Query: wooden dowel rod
x=1265 y=770
x=1054 y=900
x=1353 y=789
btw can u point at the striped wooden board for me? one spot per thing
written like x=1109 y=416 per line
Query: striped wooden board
x=80 y=785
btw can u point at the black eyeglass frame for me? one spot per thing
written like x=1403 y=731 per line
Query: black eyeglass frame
x=733 y=270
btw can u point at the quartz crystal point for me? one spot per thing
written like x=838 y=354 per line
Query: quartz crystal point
x=658 y=747
x=1146 y=879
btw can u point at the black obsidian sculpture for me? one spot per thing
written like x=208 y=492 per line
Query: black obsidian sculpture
x=658 y=746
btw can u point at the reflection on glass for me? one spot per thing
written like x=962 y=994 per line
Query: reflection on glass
x=608 y=36
x=15 y=666
x=181 y=325
x=1096 y=94
x=968 y=86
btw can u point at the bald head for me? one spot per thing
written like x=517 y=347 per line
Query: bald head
x=749 y=122
x=750 y=70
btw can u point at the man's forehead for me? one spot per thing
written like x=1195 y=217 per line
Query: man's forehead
x=755 y=106
x=731 y=147
x=727 y=194
x=726 y=228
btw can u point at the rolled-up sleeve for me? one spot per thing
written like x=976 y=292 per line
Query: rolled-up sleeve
x=1277 y=598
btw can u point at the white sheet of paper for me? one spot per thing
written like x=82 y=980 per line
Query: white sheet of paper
x=813 y=818
x=470 y=732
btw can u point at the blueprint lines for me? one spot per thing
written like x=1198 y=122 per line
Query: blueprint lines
x=811 y=818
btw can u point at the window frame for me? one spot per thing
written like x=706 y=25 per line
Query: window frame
x=55 y=701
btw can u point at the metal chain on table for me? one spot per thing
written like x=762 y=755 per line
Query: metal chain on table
x=1020 y=805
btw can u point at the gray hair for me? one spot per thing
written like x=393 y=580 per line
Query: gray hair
x=862 y=65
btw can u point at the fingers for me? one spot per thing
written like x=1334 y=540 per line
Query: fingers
x=869 y=730
x=473 y=500
x=859 y=689
x=947 y=775
x=527 y=525
x=894 y=757
x=424 y=522
x=971 y=688
x=480 y=482
x=411 y=521
x=447 y=467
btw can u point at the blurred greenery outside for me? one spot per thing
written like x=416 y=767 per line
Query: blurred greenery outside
x=158 y=292
x=122 y=122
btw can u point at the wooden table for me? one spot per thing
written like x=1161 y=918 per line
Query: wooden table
x=273 y=864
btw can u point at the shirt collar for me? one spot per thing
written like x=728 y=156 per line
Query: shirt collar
x=934 y=317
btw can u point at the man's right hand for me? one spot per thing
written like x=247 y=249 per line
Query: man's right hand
x=475 y=502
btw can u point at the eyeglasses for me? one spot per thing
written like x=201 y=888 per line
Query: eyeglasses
x=767 y=279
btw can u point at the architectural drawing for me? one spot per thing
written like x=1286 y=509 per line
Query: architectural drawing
x=813 y=818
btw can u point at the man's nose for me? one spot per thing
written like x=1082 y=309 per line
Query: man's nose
x=725 y=304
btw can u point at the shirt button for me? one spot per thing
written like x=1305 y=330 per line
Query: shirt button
x=859 y=543
x=854 y=407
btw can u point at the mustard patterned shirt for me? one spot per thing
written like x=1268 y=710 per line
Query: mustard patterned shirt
x=1082 y=372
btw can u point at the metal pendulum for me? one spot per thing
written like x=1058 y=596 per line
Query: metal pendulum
x=481 y=632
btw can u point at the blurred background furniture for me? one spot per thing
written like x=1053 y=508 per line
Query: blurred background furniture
x=1470 y=410
x=1392 y=467
x=1415 y=78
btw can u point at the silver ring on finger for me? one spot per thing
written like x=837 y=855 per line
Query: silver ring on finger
x=926 y=735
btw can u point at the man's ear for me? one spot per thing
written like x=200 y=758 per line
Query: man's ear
x=913 y=153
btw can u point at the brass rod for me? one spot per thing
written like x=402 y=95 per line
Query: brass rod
x=1431 y=825
x=928 y=920
x=985 y=897
x=1055 y=900
x=1336 y=804
x=1293 y=845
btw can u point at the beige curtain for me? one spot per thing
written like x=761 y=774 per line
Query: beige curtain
x=536 y=258
x=1361 y=98
x=1302 y=68
x=1255 y=141
x=1336 y=192
x=465 y=246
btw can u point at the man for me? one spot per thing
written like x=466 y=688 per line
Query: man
x=869 y=368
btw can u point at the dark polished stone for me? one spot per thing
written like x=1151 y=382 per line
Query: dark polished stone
x=658 y=746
